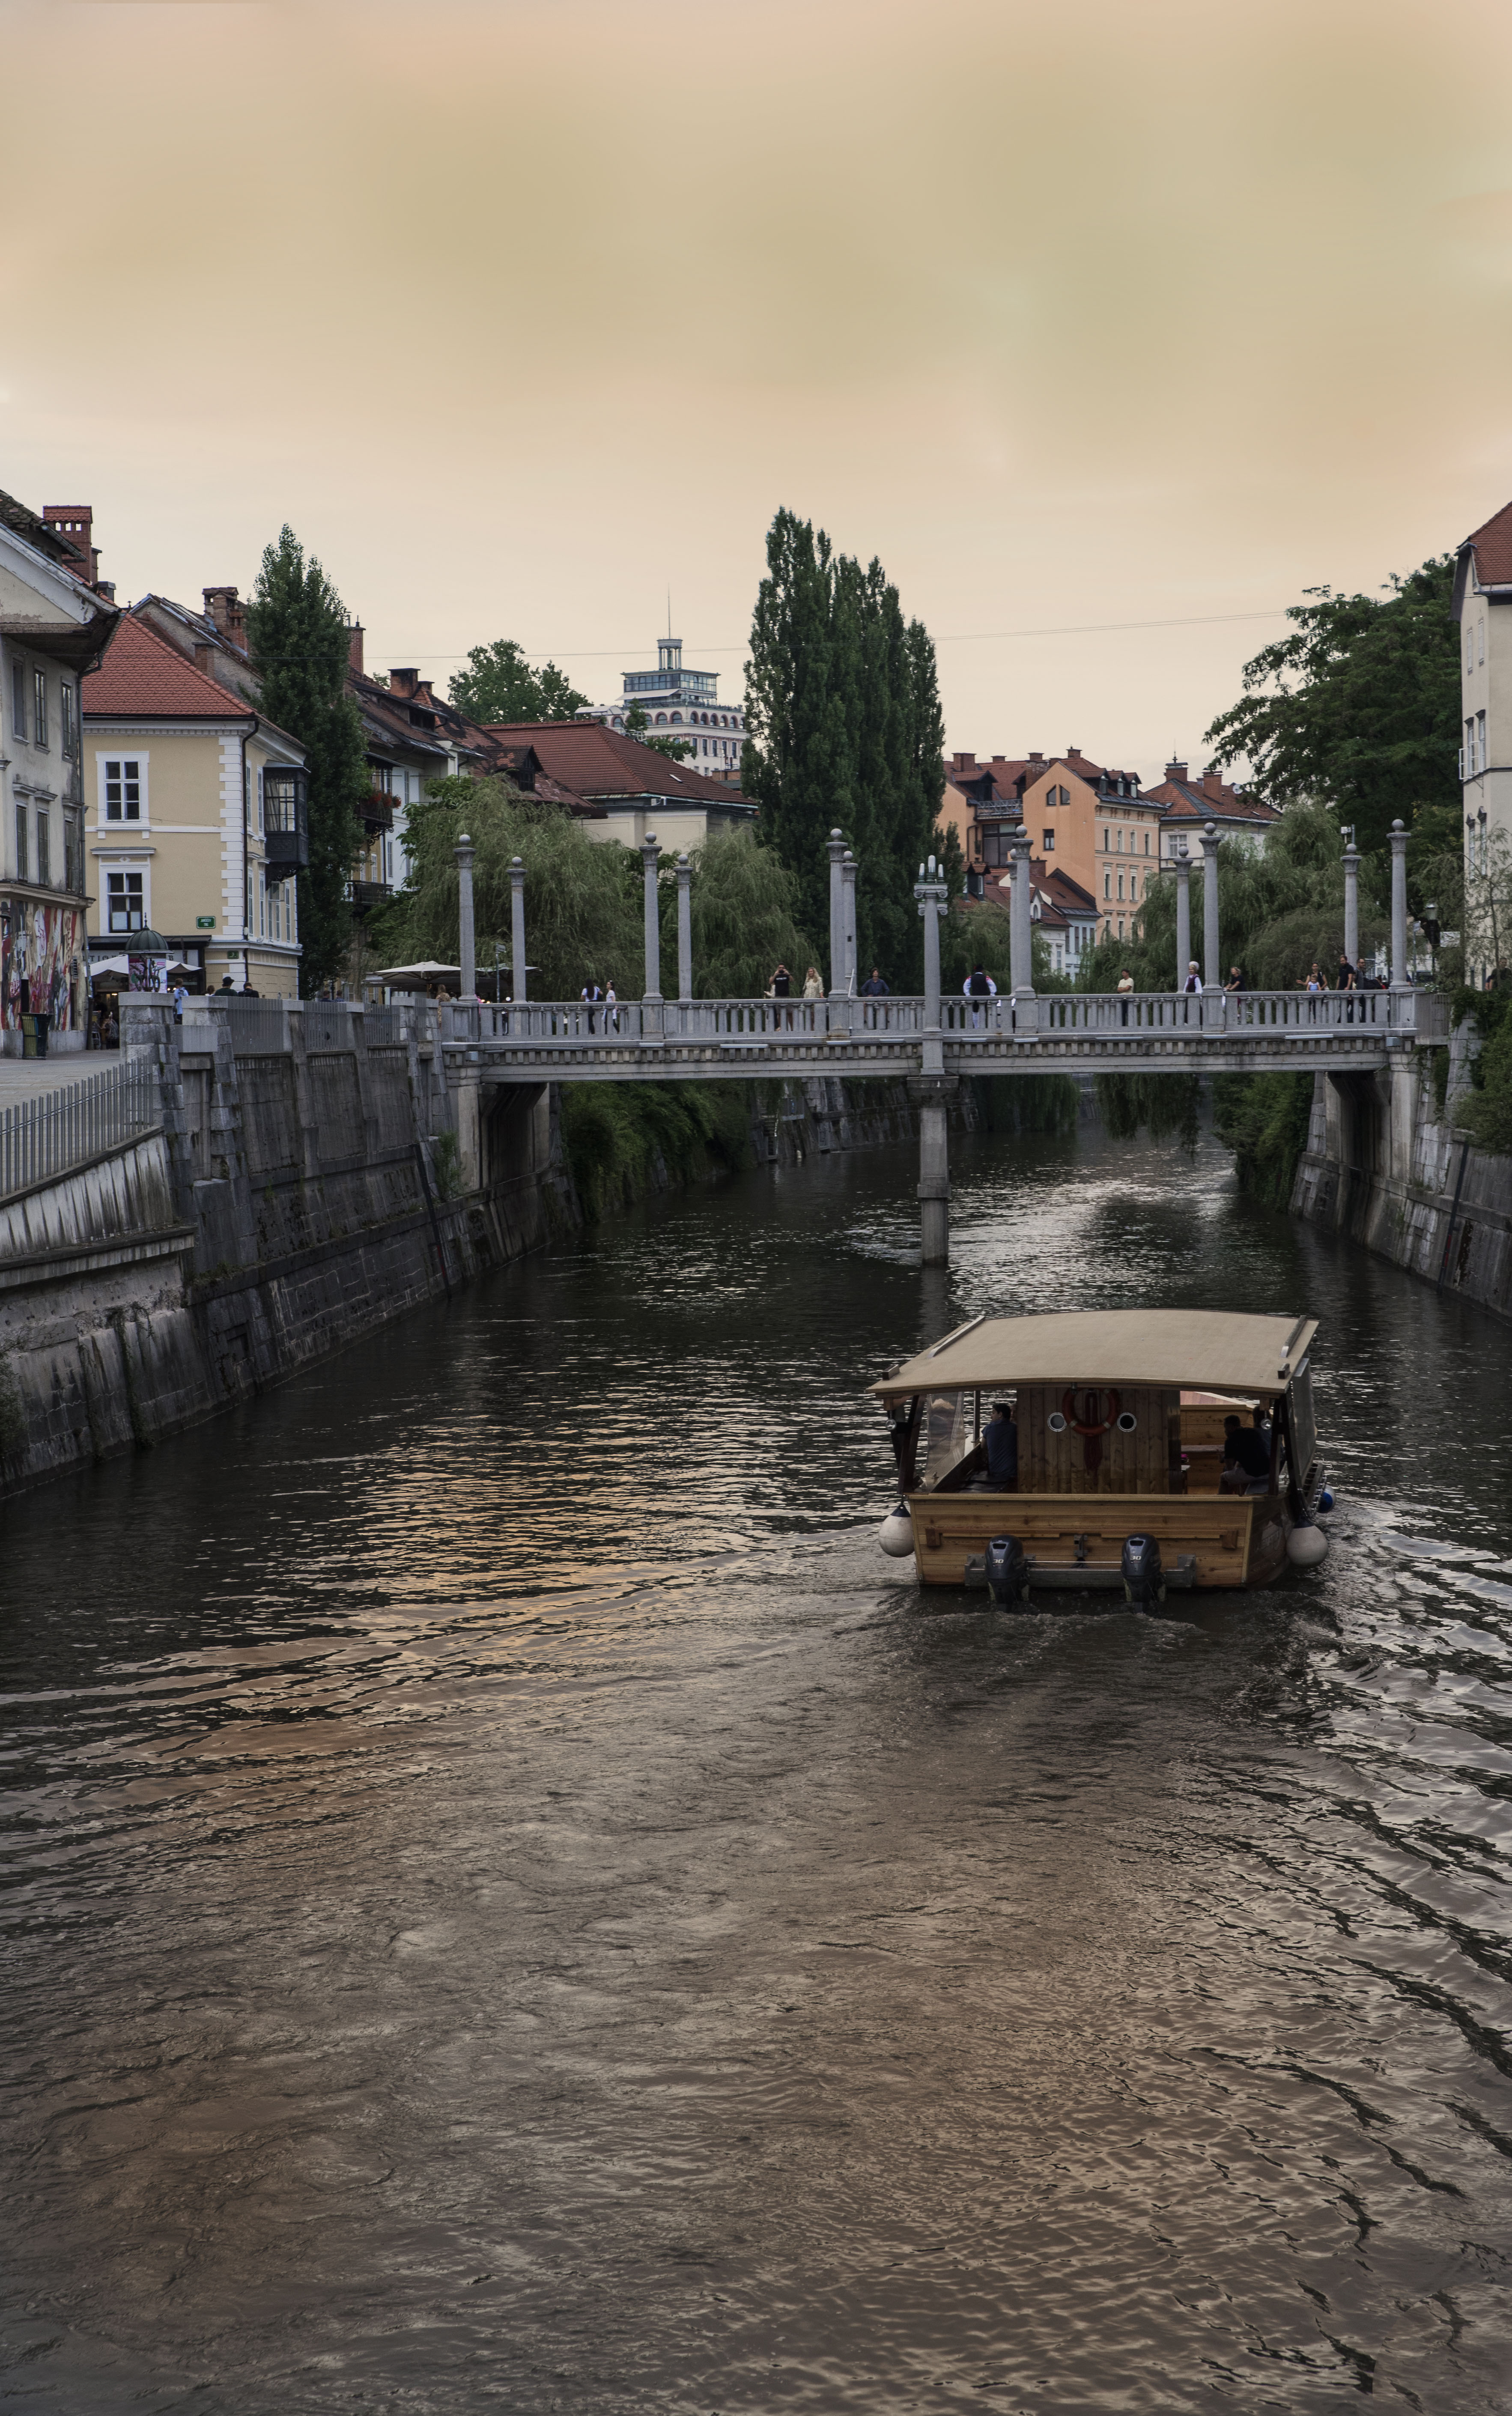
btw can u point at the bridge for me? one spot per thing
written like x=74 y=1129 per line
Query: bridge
x=931 y=1040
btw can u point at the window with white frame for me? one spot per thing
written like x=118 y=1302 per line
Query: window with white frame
x=44 y=844
x=68 y=722
x=1480 y=638
x=123 y=788
x=1470 y=646
x=24 y=821
x=1483 y=758
x=1472 y=767
x=17 y=699
x=38 y=708
x=124 y=905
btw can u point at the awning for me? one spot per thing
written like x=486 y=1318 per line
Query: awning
x=1210 y=1349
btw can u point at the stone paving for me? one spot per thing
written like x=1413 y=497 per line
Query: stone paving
x=28 y=1077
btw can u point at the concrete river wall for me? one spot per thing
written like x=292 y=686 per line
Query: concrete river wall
x=310 y=1181
x=1387 y=1164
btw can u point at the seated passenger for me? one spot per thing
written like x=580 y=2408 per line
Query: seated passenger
x=1246 y=1457
x=1002 y=1440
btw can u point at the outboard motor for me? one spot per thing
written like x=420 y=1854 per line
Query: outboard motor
x=1007 y=1571
x=1143 y=1577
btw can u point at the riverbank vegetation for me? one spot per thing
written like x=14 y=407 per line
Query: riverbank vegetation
x=623 y=1140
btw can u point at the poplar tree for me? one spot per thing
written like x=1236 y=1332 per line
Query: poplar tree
x=297 y=636
x=843 y=709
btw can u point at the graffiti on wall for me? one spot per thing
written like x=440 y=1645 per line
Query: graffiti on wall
x=40 y=952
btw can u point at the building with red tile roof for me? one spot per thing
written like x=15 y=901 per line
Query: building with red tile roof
x=195 y=818
x=638 y=789
x=1187 y=804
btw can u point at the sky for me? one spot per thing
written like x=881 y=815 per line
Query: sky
x=1108 y=329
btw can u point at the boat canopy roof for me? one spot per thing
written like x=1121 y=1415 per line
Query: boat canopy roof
x=1196 y=1348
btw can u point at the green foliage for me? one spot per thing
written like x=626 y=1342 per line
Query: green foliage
x=1029 y=1103
x=622 y=1138
x=582 y=900
x=1167 y=1104
x=636 y=725
x=1358 y=708
x=741 y=906
x=846 y=731
x=1485 y=1111
x=1263 y=1118
x=499 y=684
x=1280 y=910
x=448 y=1165
x=297 y=632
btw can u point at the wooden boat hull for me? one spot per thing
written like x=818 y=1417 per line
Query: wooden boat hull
x=1075 y=1541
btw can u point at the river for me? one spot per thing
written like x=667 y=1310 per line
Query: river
x=513 y=1903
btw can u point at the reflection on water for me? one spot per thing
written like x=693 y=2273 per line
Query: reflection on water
x=515 y=1904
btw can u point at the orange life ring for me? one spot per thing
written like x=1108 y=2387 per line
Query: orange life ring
x=1068 y=1411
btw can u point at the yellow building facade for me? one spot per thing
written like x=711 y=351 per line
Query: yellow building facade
x=195 y=821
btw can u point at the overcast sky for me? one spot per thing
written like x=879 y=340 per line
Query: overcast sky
x=523 y=312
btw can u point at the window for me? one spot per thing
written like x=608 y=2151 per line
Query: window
x=73 y=876
x=1120 y=842
x=1105 y=842
x=1107 y=885
x=68 y=727
x=1049 y=842
x=1470 y=648
x=39 y=708
x=1147 y=842
x=123 y=902
x=44 y=844
x=1480 y=639
x=1471 y=765
x=22 y=822
x=1120 y=927
x=17 y=699
x=1482 y=751
x=123 y=792
x=1120 y=887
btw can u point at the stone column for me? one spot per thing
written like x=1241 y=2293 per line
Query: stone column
x=1352 y=903
x=467 y=946
x=848 y=872
x=516 y=930
x=837 y=915
x=1212 y=955
x=934 y=1180
x=684 y=929
x=934 y=1160
x=651 y=1015
x=1184 y=914
x=1399 y=907
x=1020 y=933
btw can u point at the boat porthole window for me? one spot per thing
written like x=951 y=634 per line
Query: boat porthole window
x=1128 y=1421
x=1057 y=1424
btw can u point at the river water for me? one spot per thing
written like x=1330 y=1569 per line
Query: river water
x=515 y=1904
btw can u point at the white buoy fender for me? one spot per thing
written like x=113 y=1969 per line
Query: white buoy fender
x=896 y=1533
x=1305 y=1547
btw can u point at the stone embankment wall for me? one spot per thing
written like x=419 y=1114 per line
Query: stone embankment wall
x=1385 y=1163
x=309 y=1183
x=813 y=1118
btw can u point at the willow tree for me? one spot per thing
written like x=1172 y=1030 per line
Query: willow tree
x=296 y=633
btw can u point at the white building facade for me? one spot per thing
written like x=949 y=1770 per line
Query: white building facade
x=679 y=703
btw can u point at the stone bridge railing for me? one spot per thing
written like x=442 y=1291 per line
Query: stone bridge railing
x=772 y=1026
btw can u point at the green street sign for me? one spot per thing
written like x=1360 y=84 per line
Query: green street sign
x=204 y=922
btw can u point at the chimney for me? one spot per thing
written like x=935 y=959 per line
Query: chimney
x=223 y=606
x=1213 y=784
x=403 y=682
x=1175 y=771
x=106 y=588
x=1034 y=755
x=422 y=692
x=354 y=648
x=966 y=763
x=75 y=522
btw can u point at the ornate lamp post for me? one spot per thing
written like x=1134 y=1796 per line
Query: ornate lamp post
x=934 y=1162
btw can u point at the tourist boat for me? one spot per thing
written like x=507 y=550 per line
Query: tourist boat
x=1121 y=1435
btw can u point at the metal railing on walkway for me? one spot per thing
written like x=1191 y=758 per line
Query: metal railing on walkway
x=60 y=1130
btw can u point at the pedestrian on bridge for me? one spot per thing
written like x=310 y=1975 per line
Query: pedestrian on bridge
x=1126 y=991
x=813 y=984
x=876 y=987
x=592 y=996
x=978 y=984
x=780 y=987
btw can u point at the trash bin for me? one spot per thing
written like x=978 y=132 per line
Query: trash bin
x=28 y=1026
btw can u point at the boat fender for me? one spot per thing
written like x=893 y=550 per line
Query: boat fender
x=1144 y=1583
x=1307 y=1545
x=896 y=1533
x=1007 y=1571
x=1326 y=1499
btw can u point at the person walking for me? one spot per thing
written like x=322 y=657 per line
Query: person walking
x=978 y=985
x=593 y=998
x=1235 y=982
x=1193 y=982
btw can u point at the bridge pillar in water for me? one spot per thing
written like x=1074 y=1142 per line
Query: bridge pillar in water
x=1184 y=914
x=1351 y=901
x=684 y=929
x=836 y=852
x=467 y=1083
x=1212 y=959
x=467 y=945
x=1399 y=908
x=519 y=970
x=934 y=1172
